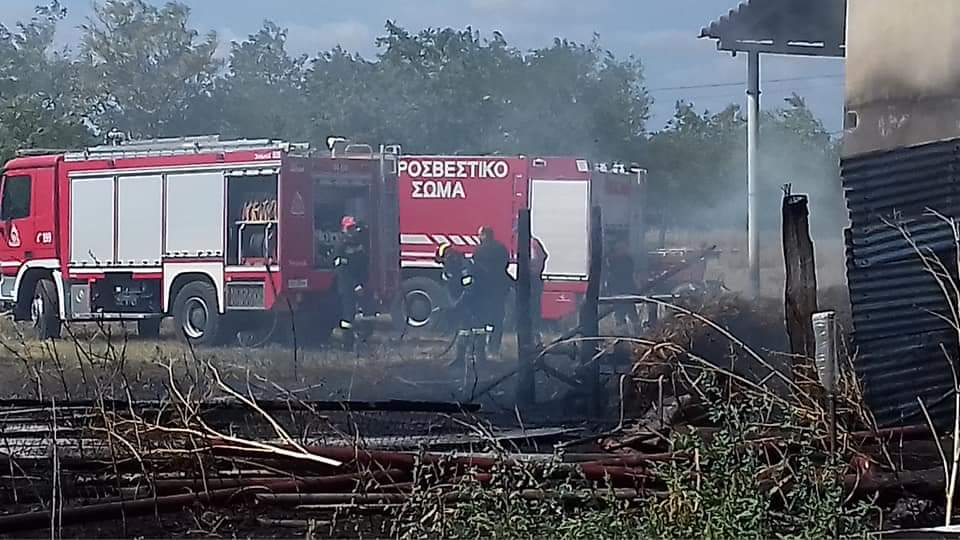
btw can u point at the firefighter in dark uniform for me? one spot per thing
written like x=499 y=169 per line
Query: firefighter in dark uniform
x=491 y=260
x=351 y=263
x=453 y=262
x=466 y=311
x=538 y=263
x=619 y=274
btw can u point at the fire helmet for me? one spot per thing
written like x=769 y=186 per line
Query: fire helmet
x=442 y=252
x=348 y=223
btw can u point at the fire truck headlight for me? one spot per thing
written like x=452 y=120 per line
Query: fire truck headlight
x=466 y=281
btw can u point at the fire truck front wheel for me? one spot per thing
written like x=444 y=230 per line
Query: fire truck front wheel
x=196 y=314
x=44 y=310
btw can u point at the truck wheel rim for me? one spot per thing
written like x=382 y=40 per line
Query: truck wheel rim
x=195 y=322
x=419 y=307
x=36 y=310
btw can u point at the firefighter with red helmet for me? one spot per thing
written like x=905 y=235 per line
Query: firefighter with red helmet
x=351 y=262
x=466 y=311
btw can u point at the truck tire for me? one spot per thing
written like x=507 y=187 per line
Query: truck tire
x=196 y=314
x=422 y=301
x=149 y=328
x=45 y=310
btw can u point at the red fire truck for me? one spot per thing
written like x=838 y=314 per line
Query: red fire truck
x=446 y=199
x=217 y=234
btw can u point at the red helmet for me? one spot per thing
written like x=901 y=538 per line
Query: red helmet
x=348 y=223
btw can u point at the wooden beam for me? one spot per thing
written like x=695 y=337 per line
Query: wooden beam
x=826 y=51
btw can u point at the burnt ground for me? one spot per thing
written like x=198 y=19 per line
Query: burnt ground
x=225 y=523
x=90 y=362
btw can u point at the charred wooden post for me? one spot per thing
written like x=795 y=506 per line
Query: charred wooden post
x=526 y=352
x=800 y=294
x=590 y=317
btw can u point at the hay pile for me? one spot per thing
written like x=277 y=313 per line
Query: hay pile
x=689 y=339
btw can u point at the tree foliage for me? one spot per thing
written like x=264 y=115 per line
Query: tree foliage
x=144 y=70
x=40 y=103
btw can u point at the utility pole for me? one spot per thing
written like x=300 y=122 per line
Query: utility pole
x=753 y=141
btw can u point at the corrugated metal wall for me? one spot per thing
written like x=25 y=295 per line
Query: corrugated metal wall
x=899 y=309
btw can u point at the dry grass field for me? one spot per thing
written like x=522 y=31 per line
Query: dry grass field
x=90 y=360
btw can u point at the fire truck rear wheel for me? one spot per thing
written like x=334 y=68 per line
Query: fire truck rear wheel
x=44 y=310
x=195 y=310
x=421 y=305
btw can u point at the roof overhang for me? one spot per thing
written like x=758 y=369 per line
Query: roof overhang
x=788 y=27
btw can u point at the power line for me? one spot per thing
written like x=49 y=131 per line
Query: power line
x=743 y=83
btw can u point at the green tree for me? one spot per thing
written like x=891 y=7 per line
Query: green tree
x=40 y=104
x=698 y=174
x=261 y=93
x=349 y=96
x=797 y=149
x=453 y=91
x=578 y=99
x=451 y=84
x=694 y=163
x=147 y=72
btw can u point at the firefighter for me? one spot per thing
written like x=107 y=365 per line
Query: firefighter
x=538 y=263
x=491 y=260
x=620 y=281
x=351 y=263
x=466 y=309
x=453 y=264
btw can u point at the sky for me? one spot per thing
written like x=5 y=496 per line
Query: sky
x=661 y=33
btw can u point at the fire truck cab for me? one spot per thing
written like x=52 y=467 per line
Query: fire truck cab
x=446 y=199
x=223 y=236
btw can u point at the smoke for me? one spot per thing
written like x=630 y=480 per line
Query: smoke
x=795 y=150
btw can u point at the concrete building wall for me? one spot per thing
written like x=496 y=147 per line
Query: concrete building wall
x=902 y=73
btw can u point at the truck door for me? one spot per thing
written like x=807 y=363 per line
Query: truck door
x=26 y=222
